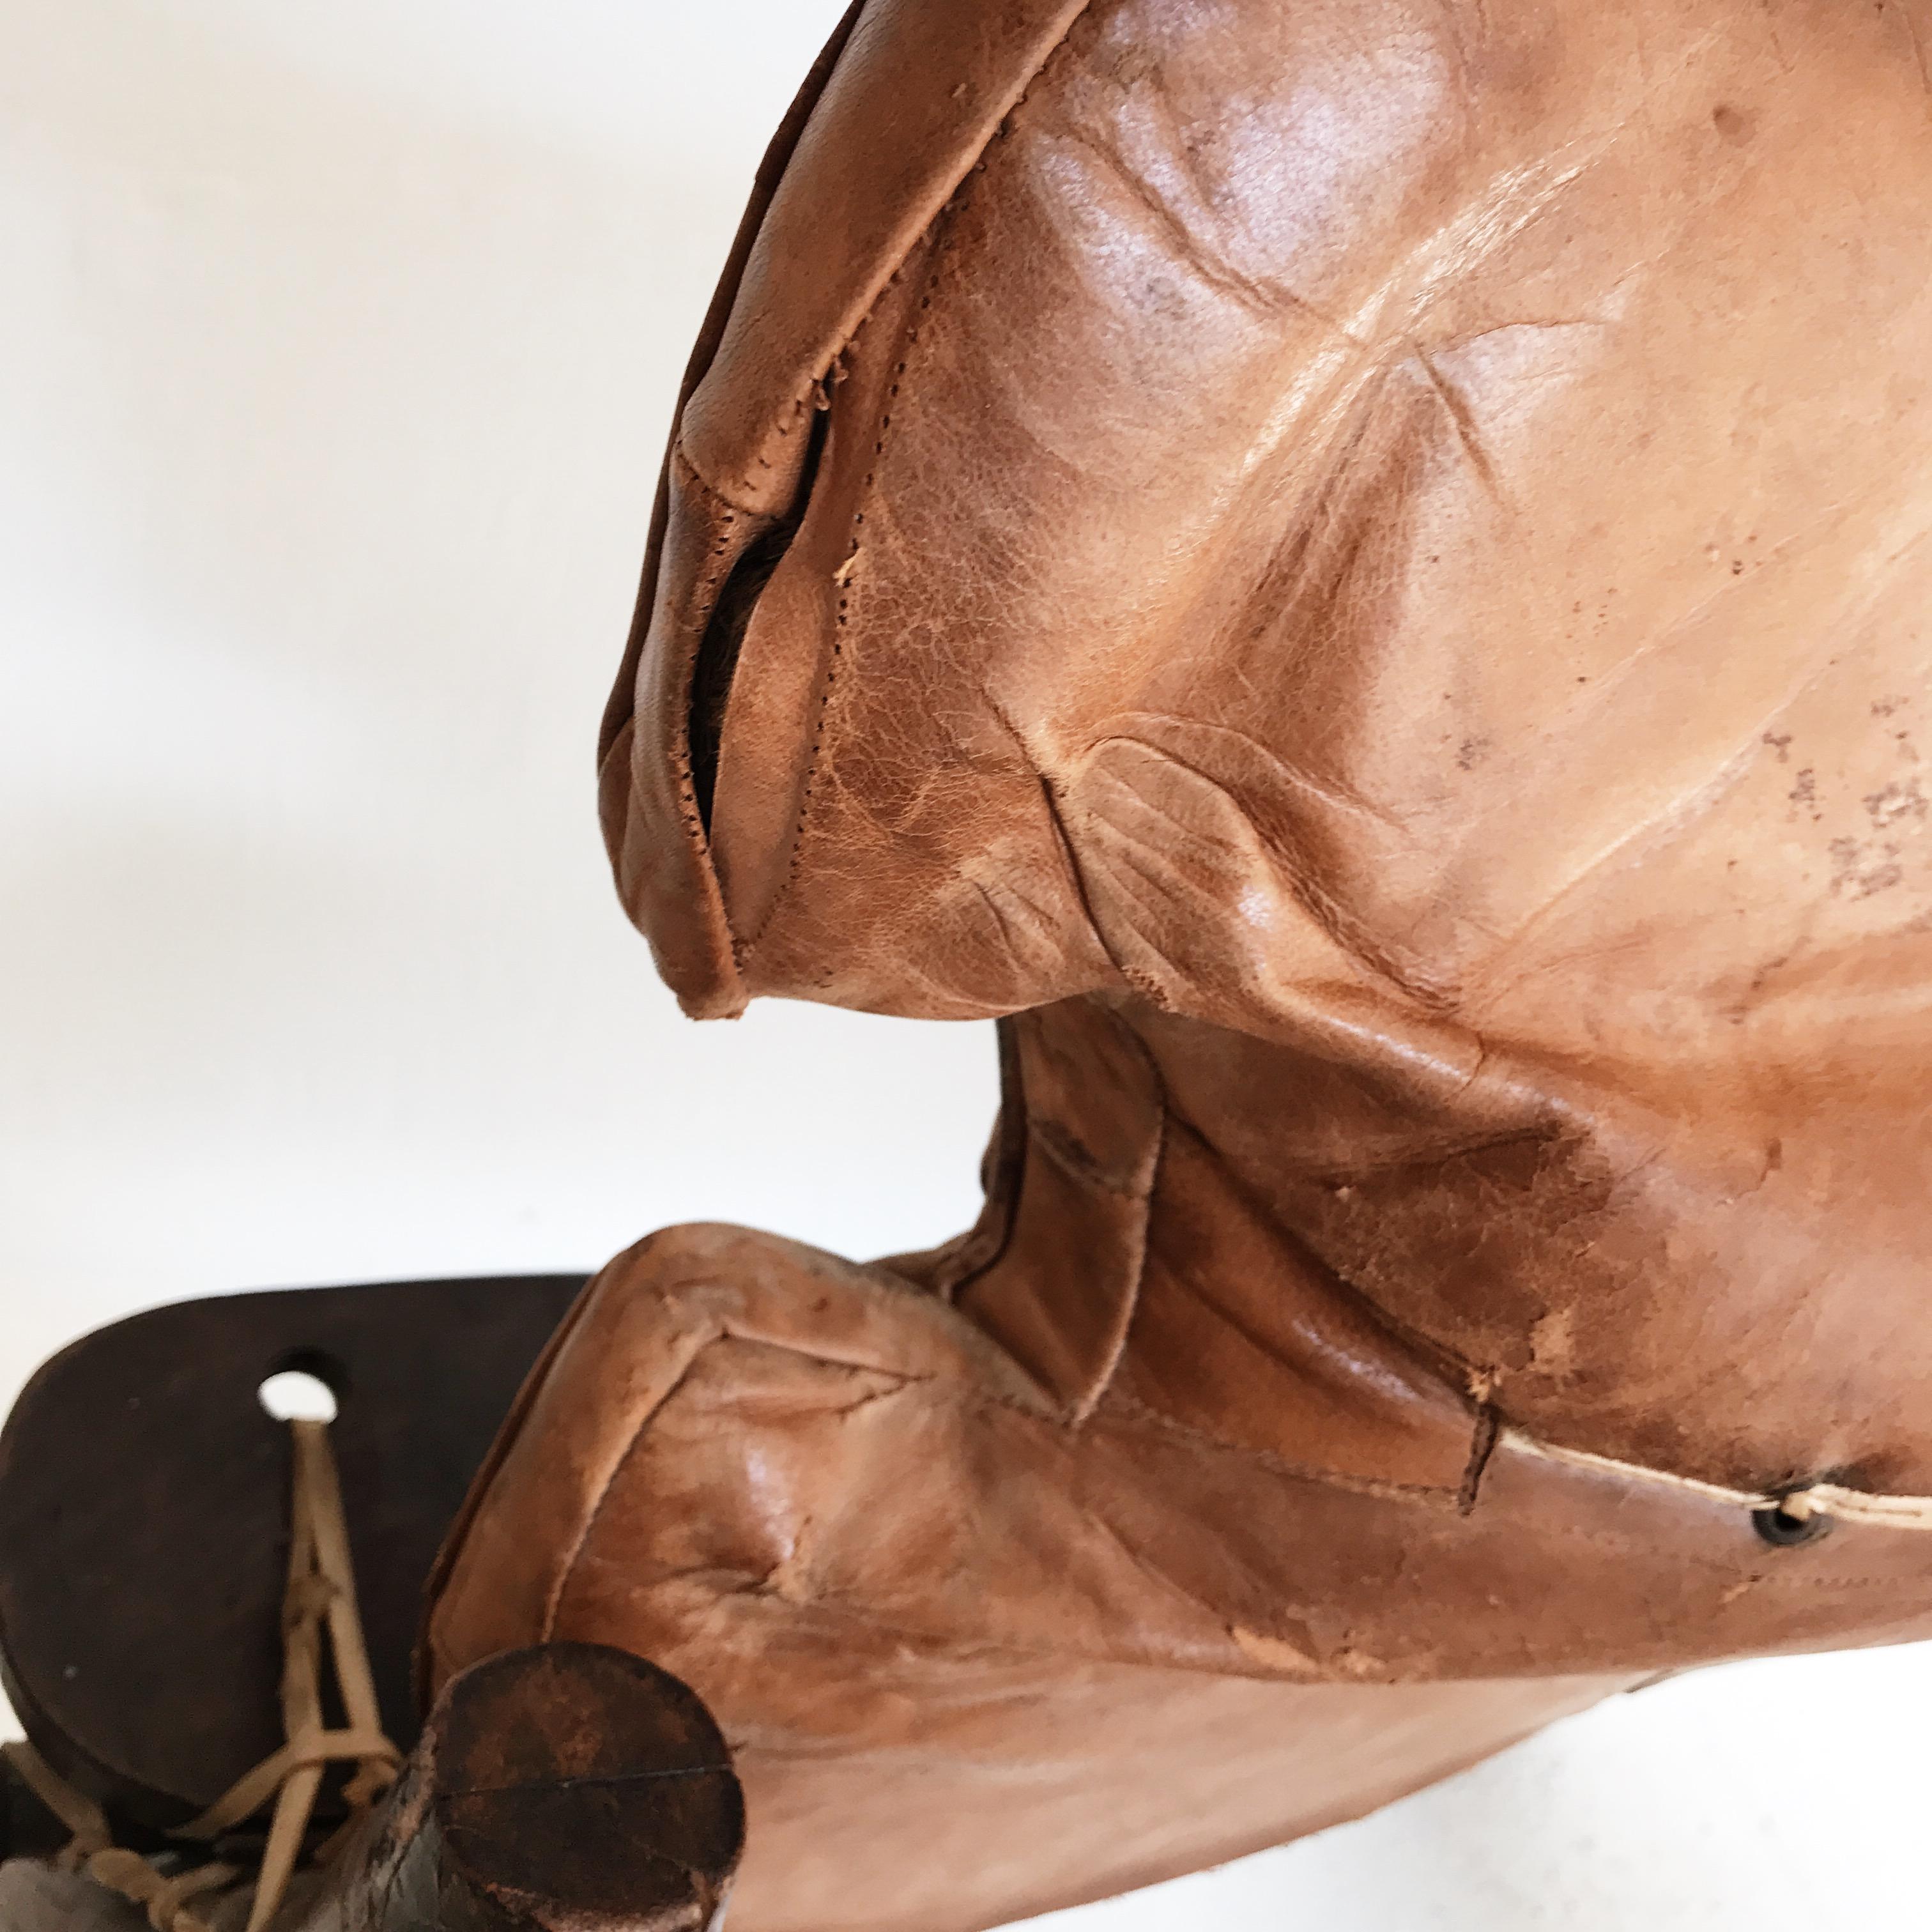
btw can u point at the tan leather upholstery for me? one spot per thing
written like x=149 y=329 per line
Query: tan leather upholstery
x=1361 y=571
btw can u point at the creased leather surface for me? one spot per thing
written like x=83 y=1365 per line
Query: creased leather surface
x=1364 y=578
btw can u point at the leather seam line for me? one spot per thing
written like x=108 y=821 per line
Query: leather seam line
x=704 y=594
x=801 y=402
x=1137 y=1417
x=1137 y=1420
x=978 y=1257
x=932 y=232
x=1878 y=1508
x=682 y=460
x=1060 y=1148
x=1144 y=1420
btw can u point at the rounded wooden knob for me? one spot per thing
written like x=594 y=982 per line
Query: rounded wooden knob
x=562 y=1789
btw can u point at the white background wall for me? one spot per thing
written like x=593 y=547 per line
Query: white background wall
x=336 y=346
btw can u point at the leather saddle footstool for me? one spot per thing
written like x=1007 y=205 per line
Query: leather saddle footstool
x=1354 y=576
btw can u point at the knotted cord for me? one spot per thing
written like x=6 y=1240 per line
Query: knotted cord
x=319 y=1600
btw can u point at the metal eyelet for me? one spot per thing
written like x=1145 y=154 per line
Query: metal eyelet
x=1785 y=1527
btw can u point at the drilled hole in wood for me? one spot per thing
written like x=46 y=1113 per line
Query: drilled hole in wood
x=304 y=1386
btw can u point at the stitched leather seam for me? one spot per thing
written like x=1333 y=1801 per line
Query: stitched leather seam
x=1135 y=1418
x=723 y=556
x=977 y=1396
x=1141 y=1420
x=941 y=219
x=984 y=1245
x=1138 y=1419
x=806 y=399
x=1110 y=1368
x=681 y=460
x=1079 y=1167
x=841 y=621
x=688 y=466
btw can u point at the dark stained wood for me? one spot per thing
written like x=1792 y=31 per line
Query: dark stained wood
x=562 y=1789
x=144 y=1516
x=568 y=1788
x=28 y=1829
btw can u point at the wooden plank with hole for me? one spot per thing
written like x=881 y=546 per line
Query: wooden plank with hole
x=144 y=1516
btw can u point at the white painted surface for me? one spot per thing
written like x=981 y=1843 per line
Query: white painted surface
x=336 y=343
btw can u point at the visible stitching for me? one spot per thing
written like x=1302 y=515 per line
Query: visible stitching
x=805 y=400
x=799 y=402
x=842 y=622
x=1133 y=1417
x=681 y=459
x=723 y=555
x=1137 y=1416
x=1876 y=1508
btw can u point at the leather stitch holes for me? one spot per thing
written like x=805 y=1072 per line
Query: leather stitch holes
x=842 y=618
x=937 y=227
x=715 y=573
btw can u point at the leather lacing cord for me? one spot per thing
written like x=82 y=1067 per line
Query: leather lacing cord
x=320 y=1598
x=1797 y=1515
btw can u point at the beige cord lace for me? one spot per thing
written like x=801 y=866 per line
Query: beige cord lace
x=320 y=1596
x=1830 y=1500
